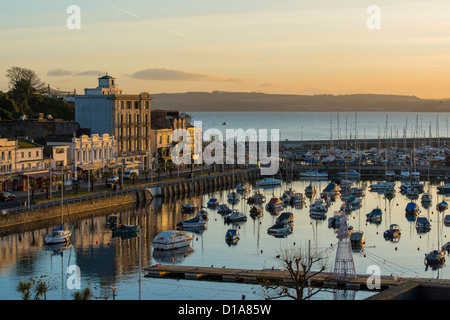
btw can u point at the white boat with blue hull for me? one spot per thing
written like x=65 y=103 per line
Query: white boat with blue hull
x=267 y=182
x=232 y=236
x=58 y=235
x=196 y=222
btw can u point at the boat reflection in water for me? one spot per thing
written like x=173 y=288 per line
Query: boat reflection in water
x=175 y=256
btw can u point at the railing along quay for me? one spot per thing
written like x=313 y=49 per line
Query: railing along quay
x=103 y=194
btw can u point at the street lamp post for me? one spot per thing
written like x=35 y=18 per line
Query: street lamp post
x=114 y=289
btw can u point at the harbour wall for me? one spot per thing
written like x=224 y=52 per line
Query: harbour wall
x=100 y=201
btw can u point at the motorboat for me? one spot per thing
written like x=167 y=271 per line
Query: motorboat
x=422 y=224
x=212 y=203
x=375 y=215
x=332 y=189
x=310 y=191
x=202 y=214
x=256 y=198
x=279 y=229
x=412 y=209
x=335 y=221
x=435 y=257
x=314 y=174
x=410 y=184
x=189 y=207
x=269 y=182
x=357 y=239
x=172 y=239
x=112 y=221
x=223 y=209
x=256 y=210
x=243 y=187
x=392 y=232
x=125 y=230
x=442 y=206
x=286 y=218
x=233 y=197
x=381 y=186
x=426 y=197
x=58 y=235
x=447 y=220
x=196 y=222
x=390 y=174
x=358 y=192
x=318 y=209
x=236 y=216
x=444 y=189
x=297 y=199
x=404 y=173
x=412 y=192
x=350 y=174
x=356 y=204
x=232 y=236
x=274 y=204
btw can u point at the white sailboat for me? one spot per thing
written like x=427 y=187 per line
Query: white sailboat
x=59 y=234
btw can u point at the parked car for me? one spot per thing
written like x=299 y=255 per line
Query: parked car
x=5 y=196
x=113 y=179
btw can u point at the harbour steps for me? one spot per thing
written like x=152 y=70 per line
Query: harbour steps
x=390 y=288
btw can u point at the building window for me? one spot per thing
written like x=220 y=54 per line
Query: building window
x=37 y=154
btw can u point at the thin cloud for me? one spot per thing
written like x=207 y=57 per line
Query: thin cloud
x=177 y=75
x=155 y=23
x=58 y=73
x=62 y=72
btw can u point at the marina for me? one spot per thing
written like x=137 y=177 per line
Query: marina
x=93 y=241
x=235 y=219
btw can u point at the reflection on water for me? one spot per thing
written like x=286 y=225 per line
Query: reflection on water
x=105 y=260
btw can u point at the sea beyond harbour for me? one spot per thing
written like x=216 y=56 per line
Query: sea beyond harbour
x=298 y=126
x=105 y=261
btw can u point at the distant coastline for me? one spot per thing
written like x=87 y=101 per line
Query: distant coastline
x=220 y=101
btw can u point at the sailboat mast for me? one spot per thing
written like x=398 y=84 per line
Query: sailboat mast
x=62 y=194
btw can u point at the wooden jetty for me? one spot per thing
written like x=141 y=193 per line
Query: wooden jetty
x=390 y=287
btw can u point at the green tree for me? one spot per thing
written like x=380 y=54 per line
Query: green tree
x=24 y=288
x=133 y=177
x=23 y=83
x=46 y=184
x=76 y=186
x=8 y=107
x=41 y=289
x=33 y=186
x=93 y=178
x=85 y=294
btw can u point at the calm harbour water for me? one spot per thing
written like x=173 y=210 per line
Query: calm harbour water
x=105 y=261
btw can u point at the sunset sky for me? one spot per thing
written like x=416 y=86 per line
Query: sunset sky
x=284 y=46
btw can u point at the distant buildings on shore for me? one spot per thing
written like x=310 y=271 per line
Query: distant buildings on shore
x=112 y=131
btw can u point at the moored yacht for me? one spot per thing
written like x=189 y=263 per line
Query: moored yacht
x=173 y=239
